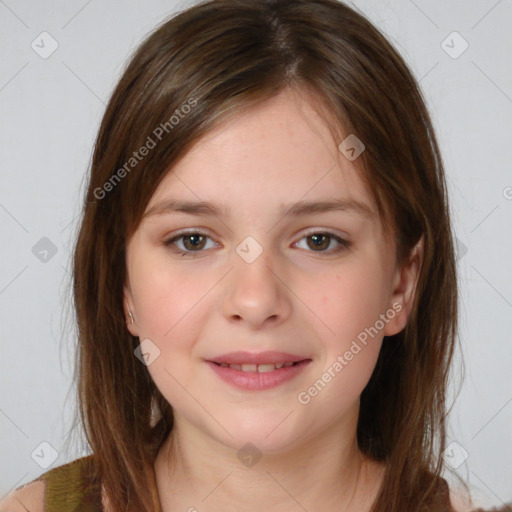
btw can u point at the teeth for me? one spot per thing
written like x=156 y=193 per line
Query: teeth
x=260 y=368
x=266 y=368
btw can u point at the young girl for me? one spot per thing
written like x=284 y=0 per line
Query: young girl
x=264 y=277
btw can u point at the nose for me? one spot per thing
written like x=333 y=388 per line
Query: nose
x=256 y=292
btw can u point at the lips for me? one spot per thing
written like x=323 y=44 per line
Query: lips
x=258 y=380
x=260 y=368
x=249 y=359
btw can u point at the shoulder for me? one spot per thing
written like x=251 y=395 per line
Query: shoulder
x=460 y=500
x=61 y=488
x=29 y=497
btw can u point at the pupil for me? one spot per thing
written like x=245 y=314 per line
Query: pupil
x=195 y=244
x=319 y=241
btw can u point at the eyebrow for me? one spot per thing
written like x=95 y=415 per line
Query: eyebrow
x=204 y=208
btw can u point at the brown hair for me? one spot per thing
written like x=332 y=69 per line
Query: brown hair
x=219 y=57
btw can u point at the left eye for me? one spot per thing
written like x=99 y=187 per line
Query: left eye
x=323 y=240
x=194 y=242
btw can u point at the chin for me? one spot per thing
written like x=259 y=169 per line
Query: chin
x=267 y=434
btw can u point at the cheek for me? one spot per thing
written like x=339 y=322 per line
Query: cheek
x=350 y=302
x=349 y=305
x=169 y=308
x=171 y=305
x=166 y=298
x=350 y=333
x=335 y=392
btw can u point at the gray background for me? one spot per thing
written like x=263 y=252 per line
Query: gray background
x=50 y=110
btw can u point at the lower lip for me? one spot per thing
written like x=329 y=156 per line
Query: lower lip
x=256 y=381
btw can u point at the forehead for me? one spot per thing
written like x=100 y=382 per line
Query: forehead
x=278 y=152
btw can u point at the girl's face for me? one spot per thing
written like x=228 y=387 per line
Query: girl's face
x=255 y=279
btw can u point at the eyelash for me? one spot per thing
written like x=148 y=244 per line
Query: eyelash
x=344 y=244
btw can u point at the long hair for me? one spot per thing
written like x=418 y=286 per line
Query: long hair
x=196 y=70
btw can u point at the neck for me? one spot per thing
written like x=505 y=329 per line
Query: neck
x=328 y=470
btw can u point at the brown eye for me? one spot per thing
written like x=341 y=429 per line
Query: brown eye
x=320 y=242
x=192 y=243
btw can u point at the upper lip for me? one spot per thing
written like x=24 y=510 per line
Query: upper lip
x=267 y=357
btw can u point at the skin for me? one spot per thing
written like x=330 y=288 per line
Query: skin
x=293 y=298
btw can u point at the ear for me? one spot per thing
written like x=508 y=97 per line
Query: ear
x=405 y=281
x=129 y=307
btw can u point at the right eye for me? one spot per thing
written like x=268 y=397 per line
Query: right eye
x=193 y=242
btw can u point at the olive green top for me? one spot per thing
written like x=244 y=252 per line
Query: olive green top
x=70 y=488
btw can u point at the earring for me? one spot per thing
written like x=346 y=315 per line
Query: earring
x=131 y=316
